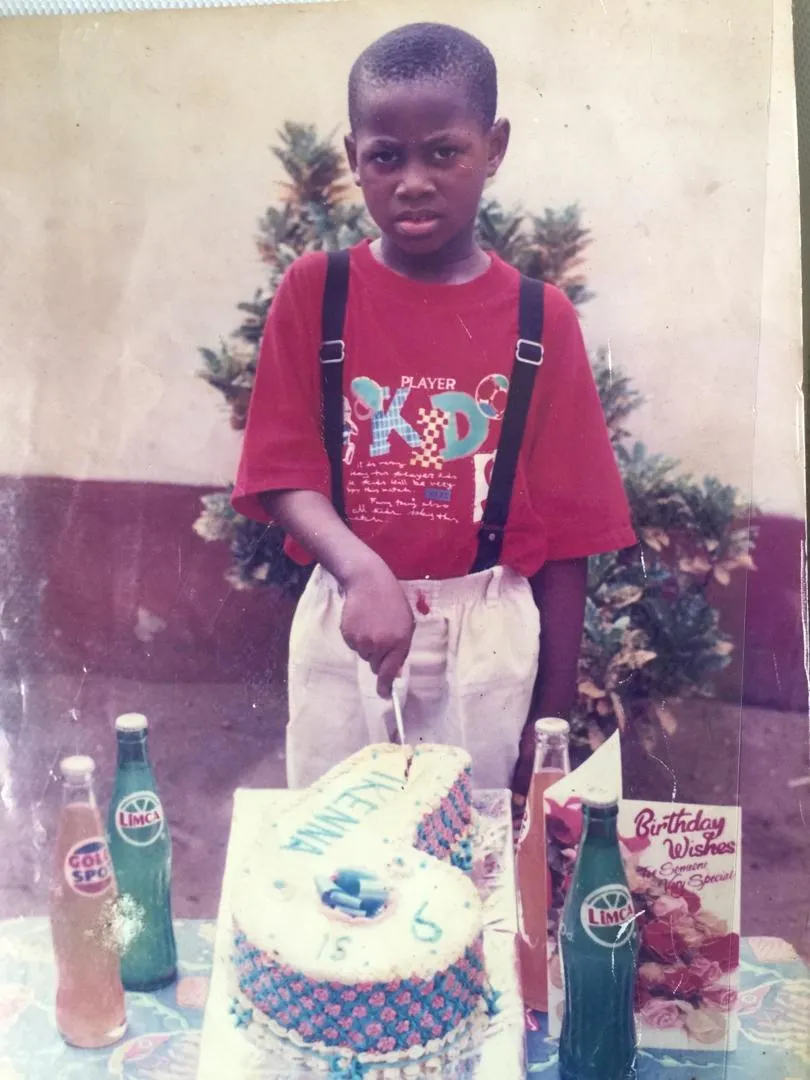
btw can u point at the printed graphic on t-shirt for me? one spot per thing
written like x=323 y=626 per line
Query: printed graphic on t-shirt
x=425 y=385
x=422 y=449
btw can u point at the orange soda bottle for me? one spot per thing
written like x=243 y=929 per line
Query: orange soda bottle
x=90 y=998
x=551 y=763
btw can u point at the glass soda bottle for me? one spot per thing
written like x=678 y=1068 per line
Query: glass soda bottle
x=599 y=947
x=141 y=850
x=90 y=1009
x=551 y=763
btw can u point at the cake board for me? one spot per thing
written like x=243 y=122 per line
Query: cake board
x=225 y=1051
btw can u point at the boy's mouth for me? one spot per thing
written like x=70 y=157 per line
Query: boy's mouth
x=417 y=223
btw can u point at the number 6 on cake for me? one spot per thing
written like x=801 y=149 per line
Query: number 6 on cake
x=423 y=929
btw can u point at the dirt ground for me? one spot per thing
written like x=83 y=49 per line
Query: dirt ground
x=209 y=739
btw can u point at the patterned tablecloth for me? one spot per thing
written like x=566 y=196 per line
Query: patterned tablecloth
x=163 y=1037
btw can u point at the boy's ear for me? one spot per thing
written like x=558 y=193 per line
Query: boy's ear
x=498 y=143
x=351 y=153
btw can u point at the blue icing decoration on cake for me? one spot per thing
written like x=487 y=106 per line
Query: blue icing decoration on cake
x=377 y=1017
x=491 y=997
x=345 y=1069
x=241 y=1016
x=462 y=855
x=425 y=929
x=353 y=892
x=333 y=822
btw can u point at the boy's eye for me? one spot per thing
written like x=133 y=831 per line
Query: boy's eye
x=384 y=157
x=445 y=153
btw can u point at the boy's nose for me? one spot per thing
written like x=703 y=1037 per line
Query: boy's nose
x=414 y=183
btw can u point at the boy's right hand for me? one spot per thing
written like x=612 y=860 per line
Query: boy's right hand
x=377 y=622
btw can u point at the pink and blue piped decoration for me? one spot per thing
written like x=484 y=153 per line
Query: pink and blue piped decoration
x=355 y=893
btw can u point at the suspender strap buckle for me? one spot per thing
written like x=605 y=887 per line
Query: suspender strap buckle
x=333 y=352
x=529 y=352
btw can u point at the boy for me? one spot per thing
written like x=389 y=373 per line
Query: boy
x=429 y=347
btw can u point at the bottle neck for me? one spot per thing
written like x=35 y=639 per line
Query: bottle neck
x=551 y=754
x=78 y=793
x=600 y=825
x=132 y=749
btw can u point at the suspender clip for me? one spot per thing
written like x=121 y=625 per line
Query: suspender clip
x=333 y=352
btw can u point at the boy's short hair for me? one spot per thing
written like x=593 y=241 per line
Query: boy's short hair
x=428 y=51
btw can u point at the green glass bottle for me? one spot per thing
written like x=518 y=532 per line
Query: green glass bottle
x=599 y=948
x=141 y=851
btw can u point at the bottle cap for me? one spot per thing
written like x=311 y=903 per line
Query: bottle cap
x=77 y=767
x=600 y=798
x=551 y=725
x=131 y=722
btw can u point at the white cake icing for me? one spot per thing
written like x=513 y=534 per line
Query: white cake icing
x=435 y=915
x=381 y=793
x=362 y=794
x=350 y=936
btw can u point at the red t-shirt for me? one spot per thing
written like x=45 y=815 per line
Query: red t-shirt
x=425 y=378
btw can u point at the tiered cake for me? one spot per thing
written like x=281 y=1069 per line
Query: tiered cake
x=357 y=934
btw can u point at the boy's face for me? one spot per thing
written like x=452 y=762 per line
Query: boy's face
x=422 y=156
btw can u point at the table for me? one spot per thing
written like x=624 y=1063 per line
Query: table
x=163 y=1037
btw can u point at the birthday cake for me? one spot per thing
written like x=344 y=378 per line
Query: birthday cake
x=357 y=934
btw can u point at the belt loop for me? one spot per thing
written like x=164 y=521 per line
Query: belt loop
x=494 y=586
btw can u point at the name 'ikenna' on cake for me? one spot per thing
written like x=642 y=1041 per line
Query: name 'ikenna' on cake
x=357 y=932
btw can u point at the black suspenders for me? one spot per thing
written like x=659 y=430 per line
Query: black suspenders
x=333 y=353
x=528 y=358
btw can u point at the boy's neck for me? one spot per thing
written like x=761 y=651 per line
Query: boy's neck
x=455 y=266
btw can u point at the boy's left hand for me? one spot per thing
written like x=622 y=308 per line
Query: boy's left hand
x=522 y=777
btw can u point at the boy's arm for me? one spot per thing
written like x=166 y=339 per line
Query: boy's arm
x=559 y=592
x=283 y=473
x=377 y=621
x=575 y=482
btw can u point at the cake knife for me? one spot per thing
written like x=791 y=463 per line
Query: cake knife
x=398 y=710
